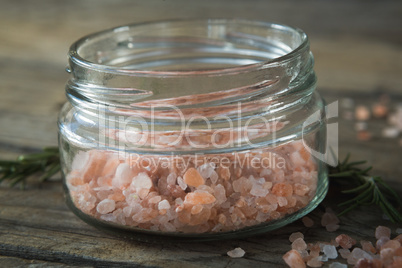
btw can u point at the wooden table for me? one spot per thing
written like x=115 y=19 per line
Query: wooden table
x=357 y=47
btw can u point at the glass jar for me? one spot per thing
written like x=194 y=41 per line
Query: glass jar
x=192 y=130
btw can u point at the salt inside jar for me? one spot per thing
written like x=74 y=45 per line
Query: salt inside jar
x=192 y=129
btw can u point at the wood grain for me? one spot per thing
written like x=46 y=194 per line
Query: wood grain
x=357 y=48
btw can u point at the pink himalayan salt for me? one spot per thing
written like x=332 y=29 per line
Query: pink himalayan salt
x=357 y=254
x=137 y=206
x=206 y=170
x=382 y=231
x=380 y=242
x=105 y=206
x=236 y=253
x=368 y=246
x=387 y=255
x=315 y=262
x=142 y=181
x=329 y=218
x=307 y=221
x=282 y=189
x=123 y=176
x=365 y=263
x=399 y=238
x=199 y=198
x=295 y=236
x=299 y=244
x=344 y=252
x=294 y=259
x=362 y=113
x=193 y=178
x=330 y=251
x=345 y=241
x=393 y=244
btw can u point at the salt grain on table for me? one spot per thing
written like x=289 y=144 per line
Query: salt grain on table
x=236 y=253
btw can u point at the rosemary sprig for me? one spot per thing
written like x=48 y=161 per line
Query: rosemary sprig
x=370 y=190
x=16 y=172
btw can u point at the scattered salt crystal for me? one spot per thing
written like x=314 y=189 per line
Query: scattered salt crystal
x=323 y=258
x=398 y=230
x=315 y=262
x=390 y=132
x=294 y=259
x=393 y=244
x=329 y=218
x=382 y=231
x=344 y=253
x=307 y=221
x=337 y=265
x=105 y=206
x=295 y=236
x=358 y=253
x=299 y=244
x=236 y=253
x=330 y=251
x=345 y=241
x=380 y=242
x=363 y=135
x=386 y=255
x=332 y=227
x=367 y=246
x=362 y=113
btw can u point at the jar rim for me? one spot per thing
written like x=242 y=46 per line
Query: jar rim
x=78 y=59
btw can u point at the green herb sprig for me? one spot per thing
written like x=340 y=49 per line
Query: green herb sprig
x=16 y=172
x=370 y=190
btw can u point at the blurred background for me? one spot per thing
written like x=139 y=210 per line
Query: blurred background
x=357 y=48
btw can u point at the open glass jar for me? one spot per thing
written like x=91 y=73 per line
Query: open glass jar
x=192 y=130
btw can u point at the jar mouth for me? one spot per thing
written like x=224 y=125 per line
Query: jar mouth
x=222 y=46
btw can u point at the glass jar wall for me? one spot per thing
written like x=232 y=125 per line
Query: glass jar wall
x=193 y=130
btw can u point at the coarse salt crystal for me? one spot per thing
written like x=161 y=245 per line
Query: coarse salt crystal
x=337 y=265
x=344 y=253
x=382 y=231
x=236 y=253
x=299 y=244
x=142 y=181
x=390 y=132
x=105 y=206
x=294 y=259
x=295 y=236
x=330 y=251
x=307 y=221
x=345 y=241
x=205 y=170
